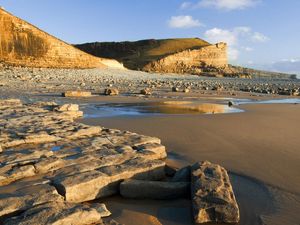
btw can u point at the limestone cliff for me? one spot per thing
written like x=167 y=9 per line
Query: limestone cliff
x=182 y=55
x=191 y=61
x=22 y=44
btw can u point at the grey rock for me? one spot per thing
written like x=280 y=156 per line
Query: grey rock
x=182 y=175
x=139 y=189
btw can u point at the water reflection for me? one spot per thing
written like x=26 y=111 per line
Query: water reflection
x=155 y=108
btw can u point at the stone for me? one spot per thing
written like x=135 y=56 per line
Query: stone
x=111 y=91
x=77 y=94
x=82 y=187
x=158 y=150
x=230 y=103
x=186 y=90
x=212 y=194
x=175 y=89
x=67 y=107
x=48 y=164
x=182 y=175
x=146 y=91
x=85 y=132
x=48 y=157
x=170 y=171
x=90 y=185
x=60 y=214
x=27 y=196
x=40 y=138
x=141 y=189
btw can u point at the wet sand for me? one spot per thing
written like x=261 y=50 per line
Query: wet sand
x=260 y=148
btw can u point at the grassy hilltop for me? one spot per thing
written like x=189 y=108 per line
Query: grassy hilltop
x=135 y=55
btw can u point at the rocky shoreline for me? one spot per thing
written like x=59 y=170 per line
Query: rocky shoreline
x=131 y=82
x=51 y=164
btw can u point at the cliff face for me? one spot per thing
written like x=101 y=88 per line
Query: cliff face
x=185 y=55
x=22 y=44
x=191 y=61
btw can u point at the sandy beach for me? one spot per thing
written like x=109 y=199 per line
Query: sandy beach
x=260 y=148
x=259 y=145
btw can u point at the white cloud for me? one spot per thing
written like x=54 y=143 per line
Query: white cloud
x=227 y=4
x=183 y=22
x=220 y=35
x=258 y=37
x=186 y=5
x=232 y=37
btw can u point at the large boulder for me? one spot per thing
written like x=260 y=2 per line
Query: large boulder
x=212 y=194
x=105 y=181
x=140 y=189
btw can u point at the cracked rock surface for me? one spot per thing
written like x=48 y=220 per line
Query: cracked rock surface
x=50 y=164
x=212 y=194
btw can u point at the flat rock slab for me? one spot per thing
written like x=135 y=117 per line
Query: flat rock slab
x=212 y=194
x=46 y=156
x=77 y=94
x=61 y=214
x=139 y=189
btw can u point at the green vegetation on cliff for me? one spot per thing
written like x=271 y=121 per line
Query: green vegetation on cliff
x=135 y=55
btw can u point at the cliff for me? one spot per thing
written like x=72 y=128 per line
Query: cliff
x=191 y=61
x=22 y=44
x=185 y=55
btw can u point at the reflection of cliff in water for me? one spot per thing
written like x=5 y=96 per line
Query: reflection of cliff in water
x=154 y=108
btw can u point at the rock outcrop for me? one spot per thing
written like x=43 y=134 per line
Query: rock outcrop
x=22 y=44
x=186 y=55
x=191 y=61
x=212 y=195
x=50 y=164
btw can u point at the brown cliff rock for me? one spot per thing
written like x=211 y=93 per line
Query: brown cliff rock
x=22 y=44
x=181 y=55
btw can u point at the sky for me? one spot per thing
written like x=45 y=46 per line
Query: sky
x=262 y=34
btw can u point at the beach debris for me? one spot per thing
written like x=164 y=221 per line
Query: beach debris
x=144 y=189
x=146 y=91
x=186 y=90
x=175 y=89
x=77 y=94
x=111 y=91
x=212 y=194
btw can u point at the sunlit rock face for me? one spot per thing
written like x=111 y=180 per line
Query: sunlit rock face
x=179 y=55
x=191 y=61
x=22 y=44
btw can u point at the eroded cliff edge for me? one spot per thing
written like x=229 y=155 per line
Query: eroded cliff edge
x=22 y=44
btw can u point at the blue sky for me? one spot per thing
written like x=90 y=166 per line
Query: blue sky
x=260 y=33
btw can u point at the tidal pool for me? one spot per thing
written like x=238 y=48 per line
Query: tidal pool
x=155 y=108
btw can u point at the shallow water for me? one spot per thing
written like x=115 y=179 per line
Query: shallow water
x=99 y=110
x=155 y=108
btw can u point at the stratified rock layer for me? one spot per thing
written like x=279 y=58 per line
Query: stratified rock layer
x=212 y=195
x=48 y=158
x=181 y=55
x=22 y=44
x=191 y=61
